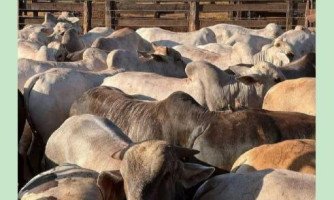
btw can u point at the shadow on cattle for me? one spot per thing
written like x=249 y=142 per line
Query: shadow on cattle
x=299 y=163
x=213 y=187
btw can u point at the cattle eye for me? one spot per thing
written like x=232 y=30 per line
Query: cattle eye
x=277 y=44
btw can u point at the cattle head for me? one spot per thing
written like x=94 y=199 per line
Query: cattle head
x=104 y=44
x=72 y=41
x=282 y=47
x=69 y=181
x=154 y=170
x=68 y=17
x=279 y=53
x=273 y=30
x=39 y=37
x=60 y=29
x=49 y=20
x=263 y=73
x=58 y=50
x=97 y=56
x=121 y=58
x=167 y=54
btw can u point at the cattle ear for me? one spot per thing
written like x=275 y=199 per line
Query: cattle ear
x=248 y=79
x=193 y=174
x=119 y=154
x=111 y=185
x=158 y=58
x=240 y=69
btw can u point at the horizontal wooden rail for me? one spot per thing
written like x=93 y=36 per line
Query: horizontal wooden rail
x=56 y=6
x=190 y=14
x=151 y=7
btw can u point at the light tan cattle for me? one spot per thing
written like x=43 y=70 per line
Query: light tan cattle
x=297 y=95
x=297 y=155
x=75 y=183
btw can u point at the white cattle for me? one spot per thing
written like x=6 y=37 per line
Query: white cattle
x=126 y=39
x=170 y=39
x=94 y=34
x=254 y=42
x=260 y=185
x=73 y=42
x=279 y=53
x=302 y=40
x=216 y=47
x=93 y=60
x=46 y=27
x=93 y=140
x=164 y=61
x=237 y=54
x=208 y=85
x=224 y=31
x=70 y=181
x=36 y=51
x=49 y=96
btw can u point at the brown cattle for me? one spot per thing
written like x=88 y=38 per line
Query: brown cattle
x=179 y=119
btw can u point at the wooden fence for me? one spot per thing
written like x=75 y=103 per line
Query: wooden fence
x=177 y=15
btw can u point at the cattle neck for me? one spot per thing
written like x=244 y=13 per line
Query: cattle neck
x=219 y=88
x=187 y=116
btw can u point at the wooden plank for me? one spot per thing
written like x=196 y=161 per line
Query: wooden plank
x=289 y=14
x=87 y=16
x=46 y=10
x=107 y=15
x=30 y=17
x=151 y=22
x=97 y=23
x=152 y=7
x=277 y=7
x=202 y=1
x=33 y=21
x=193 y=20
x=56 y=6
x=244 y=23
x=153 y=1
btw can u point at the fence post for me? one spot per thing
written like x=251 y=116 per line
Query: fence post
x=110 y=14
x=87 y=16
x=35 y=13
x=307 y=9
x=157 y=14
x=107 y=15
x=193 y=23
x=289 y=14
x=238 y=13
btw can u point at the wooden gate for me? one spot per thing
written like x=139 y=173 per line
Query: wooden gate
x=177 y=15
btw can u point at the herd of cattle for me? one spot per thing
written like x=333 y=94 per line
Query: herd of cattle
x=224 y=112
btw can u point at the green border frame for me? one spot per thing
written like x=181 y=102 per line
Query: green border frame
x=325 y=100
x=8 y=100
